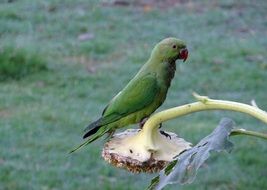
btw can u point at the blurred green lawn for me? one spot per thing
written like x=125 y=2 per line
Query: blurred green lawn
x=43 y=113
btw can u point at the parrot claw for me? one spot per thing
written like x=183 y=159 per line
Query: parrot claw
x=142 y=122
x=110 y=135
x=165 y=134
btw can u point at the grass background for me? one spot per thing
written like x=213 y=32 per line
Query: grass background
x=66 y=59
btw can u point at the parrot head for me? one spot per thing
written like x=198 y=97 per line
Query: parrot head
x=171 y=49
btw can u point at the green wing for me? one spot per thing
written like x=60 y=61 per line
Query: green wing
x=137 y=95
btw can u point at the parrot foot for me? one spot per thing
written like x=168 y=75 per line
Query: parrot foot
x=165 y=134
x=110 y=134
x=142 y=122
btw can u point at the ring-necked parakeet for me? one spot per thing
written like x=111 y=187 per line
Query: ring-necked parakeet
x=143 y=94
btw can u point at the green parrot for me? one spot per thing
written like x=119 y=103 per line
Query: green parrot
x=143 y=94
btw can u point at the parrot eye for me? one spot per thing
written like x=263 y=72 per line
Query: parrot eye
x=174 y=46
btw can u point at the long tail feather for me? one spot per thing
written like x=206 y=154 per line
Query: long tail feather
x=105 y=120
x=93 y=138
x=93 y=125
x=91 y=132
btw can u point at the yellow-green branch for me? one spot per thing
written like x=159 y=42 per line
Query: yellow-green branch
x=249 y=133
x=204 y=103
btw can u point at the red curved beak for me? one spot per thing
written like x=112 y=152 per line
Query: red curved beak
x=183 y=54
